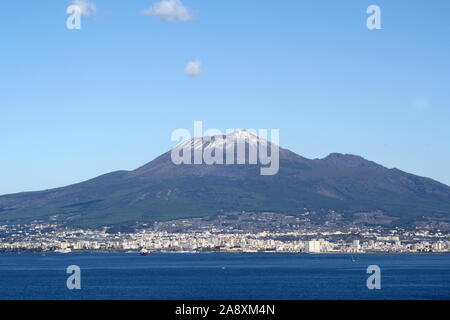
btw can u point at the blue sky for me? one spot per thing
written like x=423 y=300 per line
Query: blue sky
x=75 y=104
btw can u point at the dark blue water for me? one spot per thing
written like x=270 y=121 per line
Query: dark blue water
x=224 y=276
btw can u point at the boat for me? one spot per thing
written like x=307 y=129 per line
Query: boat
x=66 y=250
x=145 y=252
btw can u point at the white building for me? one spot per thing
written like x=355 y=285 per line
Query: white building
x=356 y=245
x=312 y=246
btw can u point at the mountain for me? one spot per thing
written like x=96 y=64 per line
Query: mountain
x=162 y=190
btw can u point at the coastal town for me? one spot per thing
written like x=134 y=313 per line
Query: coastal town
x=197 y=237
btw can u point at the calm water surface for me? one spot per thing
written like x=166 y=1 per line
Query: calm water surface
x=224 y=276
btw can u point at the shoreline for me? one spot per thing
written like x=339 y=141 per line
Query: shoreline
x=219 y=252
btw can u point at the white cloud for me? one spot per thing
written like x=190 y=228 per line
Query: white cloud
x=170 y=10
x=88 y=8
x=421 y=104
x=193 y=68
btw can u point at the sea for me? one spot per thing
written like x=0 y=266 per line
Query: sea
x=217 y=276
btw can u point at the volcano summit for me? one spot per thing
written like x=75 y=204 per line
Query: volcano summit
x=164 y=190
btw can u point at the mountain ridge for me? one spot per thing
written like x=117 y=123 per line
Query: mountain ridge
x=161 y=190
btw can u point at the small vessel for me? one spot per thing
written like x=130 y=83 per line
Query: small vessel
x=66 y=250
x=145 y=252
